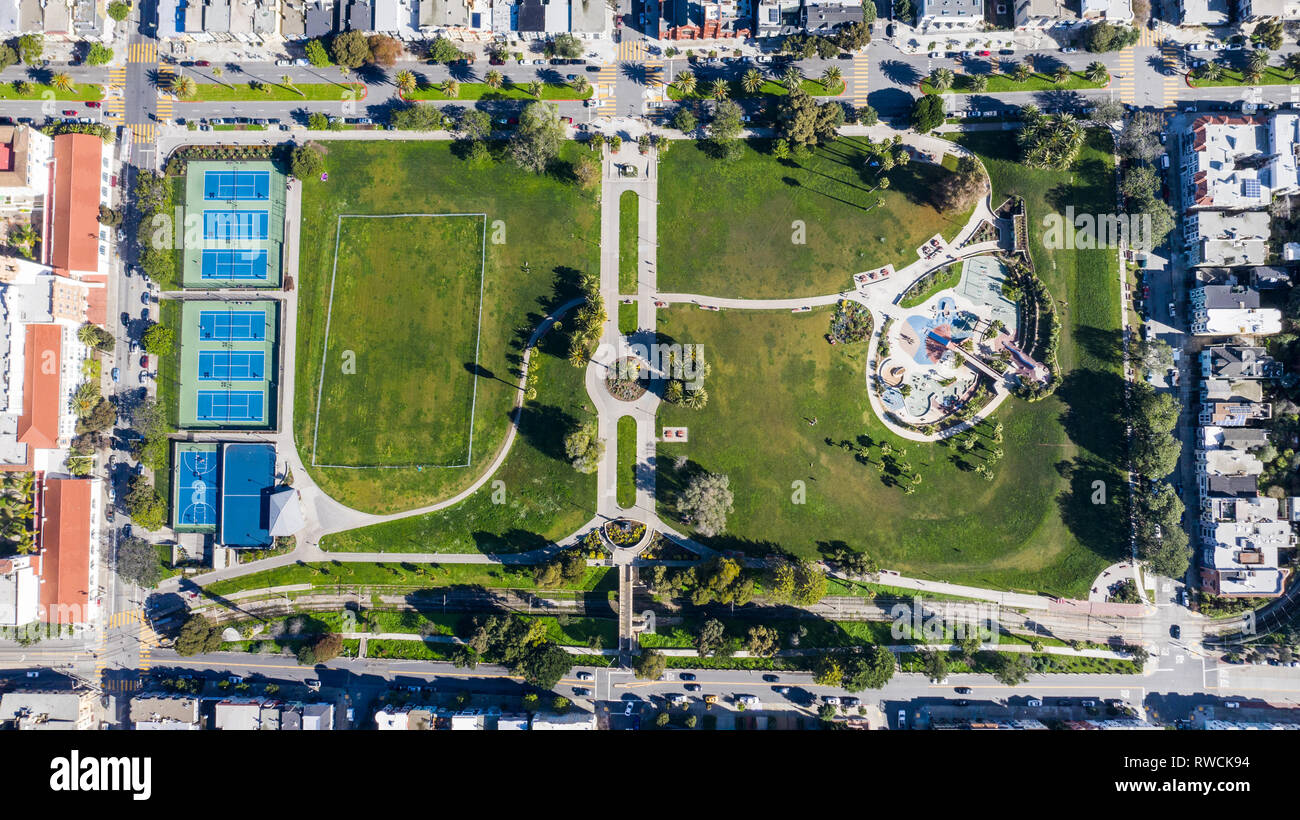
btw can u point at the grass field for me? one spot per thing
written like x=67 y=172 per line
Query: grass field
x=400 y=367
x=274 y=92
x=1001 y=83
x=333 y=573
x=947 y=278
x=739 y=234
x=1233 y=77
x=78 y=91
x=542 y=498
x=629 y=234
x=627 y=317
x=1031 y=528
x=626 y=461
x=509 y=91
x=542 y=232
x=770 y=88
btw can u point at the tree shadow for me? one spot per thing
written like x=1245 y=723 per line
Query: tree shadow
x=899 y=72
x=1101 y=527
x=544 y=427
x=1094 y=401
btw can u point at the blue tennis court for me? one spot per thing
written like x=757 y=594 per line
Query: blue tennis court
x=236 y=185
x=197 y=495
x=231 y=405
x=233 y=325
x=247 y=477
x=229 y=225
x=231 y=365
x=228 y=263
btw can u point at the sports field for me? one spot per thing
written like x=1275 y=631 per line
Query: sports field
x=1034 y=527
x=194 y=486
x=760 y=227
x=418 y=302
x=393 y=339
x=238 y=207
x=228 y=365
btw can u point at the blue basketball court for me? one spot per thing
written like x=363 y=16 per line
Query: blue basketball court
x=231 y=405
x=231 y=264
x=233 y=325
x=247 y=478
x=236 y=185
x=232 y=225
x=197 y=492
x=231 y=365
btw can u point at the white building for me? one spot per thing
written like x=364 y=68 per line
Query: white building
x=1241 y=558
x=19 y=591
x=585 y=721
x=937 y=16
x=1227 y=239
x=1224 y=310
x=1203 y=12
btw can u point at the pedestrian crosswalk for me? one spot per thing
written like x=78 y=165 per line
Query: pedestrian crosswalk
x=148 y=640
x=142 y=52
x=114 y=101
x=144 y=132
x=606 y=80
x=1146 y=37
x=125 y=618
x=858 y=80
x=121 y=685
x=1122 y=80
x=1172 y=75
x=631 y=50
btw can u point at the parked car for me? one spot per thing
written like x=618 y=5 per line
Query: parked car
x=581 y=692
x=1069 y=50
x=688 y=676
x=1033 y=702
x=771 y=678
x=284 y=62
x=984 y=53
x=710 y=699
x=202 y=63
x=963 y=690
x=70 y=112
x=144 y=314
x=692 y=687
x=831 y=700
x=92 y=104
x=584 y=676
x=144 y=377
x=748 y=700
x=1175 y=631
x=117 y=373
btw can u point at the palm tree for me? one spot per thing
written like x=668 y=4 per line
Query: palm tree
x=406 y=82
x=1097 y=73
x=287 y=82
x=184 y=87
x=1022 y=73
x=791 y=78
x=753 y=80
x=719 y=90
x=685 y=82
x=1292 y=63
x=1061 y=74
x=582 y=86
x=535 y=90
x=941 y=79
x=1252 y=74
x=62 y=82
x=832 y=77
x=1212 y=71
x=451 y=88
x=1257 y=61
x=494 y=79
x=979 y=83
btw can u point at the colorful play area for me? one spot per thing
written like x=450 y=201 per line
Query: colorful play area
x=228 y=490
x=935 y=355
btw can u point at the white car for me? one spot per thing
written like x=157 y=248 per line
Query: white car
x=934 y=55
x=584 y=676
x=832 y=700
x=748 y=700
x=284 y=62
x=1033 y=702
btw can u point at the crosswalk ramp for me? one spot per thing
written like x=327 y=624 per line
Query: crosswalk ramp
x=631 y=50
x=165 y=107
x=1173 y=79
x=142 y=52
x=606 y=82
x=858 y=81
x=114 y=98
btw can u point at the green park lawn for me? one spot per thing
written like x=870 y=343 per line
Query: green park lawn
x=626 y=461
x=542 y=232
x=1003 y=83
x=542 y=497
x=629 y=235
x=325 y=574
x=769 y=88
x=509 y=91
x=948 y=277
x=78 y=91
x=274 y=92
x=729 y=228
x=399 y=385
x=1032 y=528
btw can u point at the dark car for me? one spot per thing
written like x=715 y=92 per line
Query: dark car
x=692 y=687
x=203 y=63
x=889 y=30
x=771 y=678
x=963 y=703
x=963 y=690
x=126 y=318
x=1175 y=631
x=687 y=676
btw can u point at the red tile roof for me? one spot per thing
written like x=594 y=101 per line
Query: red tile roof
x=78 y=160
x=39 y=425
x=65 y=550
